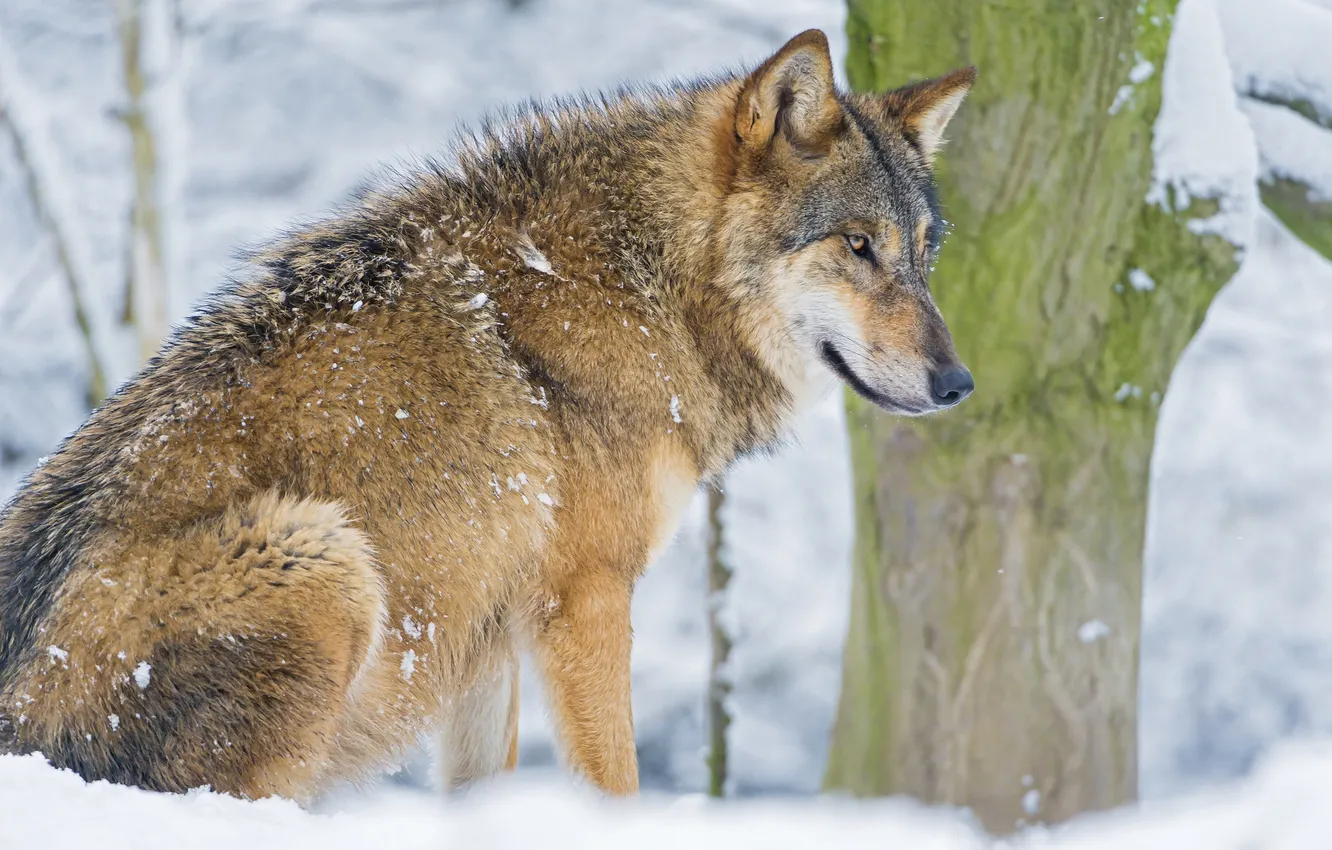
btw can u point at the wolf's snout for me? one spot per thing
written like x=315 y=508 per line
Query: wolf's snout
x=951 y=385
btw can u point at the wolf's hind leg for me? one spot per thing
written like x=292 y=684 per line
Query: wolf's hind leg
x=479 y=734
x=220 y=657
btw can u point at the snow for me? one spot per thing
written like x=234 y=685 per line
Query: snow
x=1279 y=50
x=1202 y=146
x=1236 y=650
x=532 y=256
x=1092 y=631
x=143 y=674
x=1292 y=147
x=1283 y=806
x=1141 y=281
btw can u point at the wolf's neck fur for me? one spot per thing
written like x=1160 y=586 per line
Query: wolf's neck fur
x=651 y=176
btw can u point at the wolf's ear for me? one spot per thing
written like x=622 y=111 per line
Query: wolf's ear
x=791 y=93
x=927 y=107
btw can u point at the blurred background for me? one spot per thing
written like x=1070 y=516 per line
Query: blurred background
x=137 y=156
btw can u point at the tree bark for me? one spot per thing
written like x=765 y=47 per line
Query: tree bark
x=145 y=277
x=992 y=655
x=1298 y=207
x=719 y=676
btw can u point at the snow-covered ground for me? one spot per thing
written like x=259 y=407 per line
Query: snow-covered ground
x=1282 y=807
x=287 y=104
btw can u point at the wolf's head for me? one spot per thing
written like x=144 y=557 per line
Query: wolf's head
x=832 y=212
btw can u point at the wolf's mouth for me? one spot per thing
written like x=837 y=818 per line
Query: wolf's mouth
x=836 y=362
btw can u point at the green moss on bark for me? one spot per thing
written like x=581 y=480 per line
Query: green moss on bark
x=991 y=538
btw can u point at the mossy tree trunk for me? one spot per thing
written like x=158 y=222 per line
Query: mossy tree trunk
x=993 y=648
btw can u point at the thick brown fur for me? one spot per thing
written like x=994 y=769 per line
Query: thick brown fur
x=457 y=420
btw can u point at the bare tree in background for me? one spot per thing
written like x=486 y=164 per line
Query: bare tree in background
x=146 y=282
x=719 y=676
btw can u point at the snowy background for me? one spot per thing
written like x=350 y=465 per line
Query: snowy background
x=272 y=110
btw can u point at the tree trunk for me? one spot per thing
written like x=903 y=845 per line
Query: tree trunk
x=993 y=648
x=145 y=277
x=719 y=675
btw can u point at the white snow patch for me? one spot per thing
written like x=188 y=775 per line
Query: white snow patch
x=401 y=414
x=411 y=627
x=1031 y=802
x=532 y=256
x=545 y=499
x=1092 y=631
x=1141 y=72
x=675 y=408
x=1140 y=280
x=114 y=720
x=57 y=654
x=143 y=674
x=408 y=664
x=1138 y=74
x=478 y=301
x=1127 y=391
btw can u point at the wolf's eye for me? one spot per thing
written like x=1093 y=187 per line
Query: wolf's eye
x=858 y=244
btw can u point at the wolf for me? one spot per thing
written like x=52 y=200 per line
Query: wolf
x=455 y=421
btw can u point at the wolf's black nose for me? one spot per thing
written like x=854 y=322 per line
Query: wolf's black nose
x=951 y=386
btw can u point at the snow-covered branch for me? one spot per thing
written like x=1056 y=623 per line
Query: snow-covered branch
x=1291 y=147
x=1279 y=52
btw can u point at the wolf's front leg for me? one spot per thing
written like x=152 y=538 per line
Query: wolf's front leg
x=582 y=645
